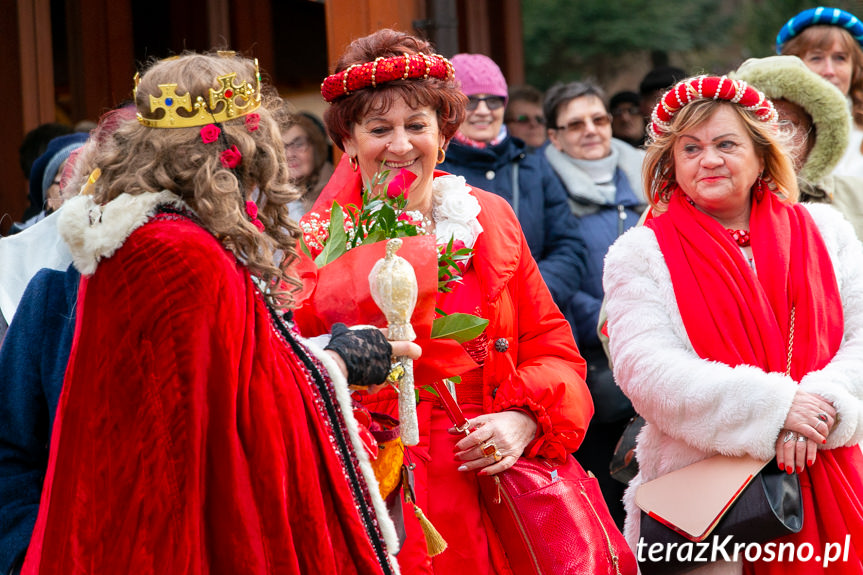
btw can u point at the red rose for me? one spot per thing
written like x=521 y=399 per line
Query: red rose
x=210 y=133
x=231 y=157
x=252 y=121
x=400 y=184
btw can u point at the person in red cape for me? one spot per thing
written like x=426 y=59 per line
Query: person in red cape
x=197 y=432
x=394 y=106
x=735 y=318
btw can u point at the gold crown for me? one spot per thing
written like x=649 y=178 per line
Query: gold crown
x=222 y=104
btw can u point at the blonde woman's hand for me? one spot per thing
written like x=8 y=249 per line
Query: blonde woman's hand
x=811 y=416
x=508 y=432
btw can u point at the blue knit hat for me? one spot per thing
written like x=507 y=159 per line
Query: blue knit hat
x=45 y=167
x=819 y=15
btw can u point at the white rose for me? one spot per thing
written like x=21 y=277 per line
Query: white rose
x=467 y=232
x=444 y=184
x=459 y=207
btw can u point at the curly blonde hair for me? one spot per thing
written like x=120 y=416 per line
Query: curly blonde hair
x=135 y=159
x=658 y=170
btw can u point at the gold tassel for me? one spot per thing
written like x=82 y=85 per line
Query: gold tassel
x=434 y=542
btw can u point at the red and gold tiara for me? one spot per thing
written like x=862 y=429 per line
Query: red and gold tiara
x=709 y=87
x=370 y=74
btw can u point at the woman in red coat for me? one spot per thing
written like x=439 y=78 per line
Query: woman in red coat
x=522 y=381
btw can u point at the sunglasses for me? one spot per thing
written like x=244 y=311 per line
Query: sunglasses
x=492 y=102
x=525 y=119
x=578 y=126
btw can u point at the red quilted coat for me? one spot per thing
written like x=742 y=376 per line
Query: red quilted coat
x=529 y=362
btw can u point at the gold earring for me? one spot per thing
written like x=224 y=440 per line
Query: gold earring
x=441 y=155
x=355 y=164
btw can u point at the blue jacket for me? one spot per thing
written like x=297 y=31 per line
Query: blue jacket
x=542 y=207
x=33 y=361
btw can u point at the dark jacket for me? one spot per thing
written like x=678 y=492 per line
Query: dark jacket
x=33 y=361
x=542 y=208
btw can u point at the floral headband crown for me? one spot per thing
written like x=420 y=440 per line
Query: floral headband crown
x=231 y=100
x=370 y=74
x=704 y=88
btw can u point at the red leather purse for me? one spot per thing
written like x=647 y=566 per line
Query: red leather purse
x=550 y=518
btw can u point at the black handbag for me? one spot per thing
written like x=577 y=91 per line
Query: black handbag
x=770 y=507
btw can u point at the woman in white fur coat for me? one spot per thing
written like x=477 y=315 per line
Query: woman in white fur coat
x=709 y=299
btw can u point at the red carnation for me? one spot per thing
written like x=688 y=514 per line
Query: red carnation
x=252 y=121
x=405 y=217
x=231 y=157
x=210 y=133
x=400 y=184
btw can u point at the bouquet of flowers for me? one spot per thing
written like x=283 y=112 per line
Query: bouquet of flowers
x=344 y=242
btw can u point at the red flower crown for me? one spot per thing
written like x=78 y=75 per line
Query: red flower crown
x=370 y=74
x=708 y=87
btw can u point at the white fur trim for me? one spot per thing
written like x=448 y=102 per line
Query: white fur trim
x=343 y=396
x=94 y=232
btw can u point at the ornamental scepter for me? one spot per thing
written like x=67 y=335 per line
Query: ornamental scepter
x=393 y=285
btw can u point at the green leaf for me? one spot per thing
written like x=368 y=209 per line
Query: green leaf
x=336 y=243
x=431 y=390
x=461 y=327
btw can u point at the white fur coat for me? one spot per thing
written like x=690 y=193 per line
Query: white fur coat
x=695 y=407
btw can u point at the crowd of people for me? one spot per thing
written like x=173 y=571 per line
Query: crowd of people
x=185 y=389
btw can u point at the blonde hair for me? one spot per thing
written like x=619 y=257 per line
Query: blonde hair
x=135 y=159
x=658 y=170
x=822 y=37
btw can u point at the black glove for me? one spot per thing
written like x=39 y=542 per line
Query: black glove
x=366 y=353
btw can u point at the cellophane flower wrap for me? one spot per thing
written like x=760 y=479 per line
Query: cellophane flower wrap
x=345 y=235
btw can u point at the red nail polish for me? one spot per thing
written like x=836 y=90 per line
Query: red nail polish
x=789 y=470
x=823 y=442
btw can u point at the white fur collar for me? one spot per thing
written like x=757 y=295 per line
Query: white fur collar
x=94 y=232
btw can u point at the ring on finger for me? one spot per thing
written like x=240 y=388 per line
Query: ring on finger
x=497 y=455
x=822 y=417
x=801 y=438
x=789 y=435
x=489 y=449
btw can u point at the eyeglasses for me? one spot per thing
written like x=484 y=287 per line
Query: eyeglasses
x=492 y=102
x=578 y=126
x=297 y=145
x=631 y=110
x=525 y=119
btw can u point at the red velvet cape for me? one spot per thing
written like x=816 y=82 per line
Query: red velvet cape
x=190 y=437
x=736 y=316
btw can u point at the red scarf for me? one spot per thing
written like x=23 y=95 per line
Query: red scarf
x=737 y=317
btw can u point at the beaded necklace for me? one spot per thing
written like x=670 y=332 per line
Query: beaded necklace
x=740 y=236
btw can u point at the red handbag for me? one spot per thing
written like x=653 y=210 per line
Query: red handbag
x=550 y=518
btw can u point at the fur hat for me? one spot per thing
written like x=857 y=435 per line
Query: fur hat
x=478 y=74
x=788 y=78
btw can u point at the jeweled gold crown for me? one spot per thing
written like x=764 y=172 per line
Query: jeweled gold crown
x=230 y=101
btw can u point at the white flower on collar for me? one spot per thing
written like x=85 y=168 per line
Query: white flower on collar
x=455 y=210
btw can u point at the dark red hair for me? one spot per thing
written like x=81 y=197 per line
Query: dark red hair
x=443 y=96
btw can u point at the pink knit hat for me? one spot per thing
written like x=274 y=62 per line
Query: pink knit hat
x=478 y=74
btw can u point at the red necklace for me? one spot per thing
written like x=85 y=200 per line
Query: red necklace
x=740 y=236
